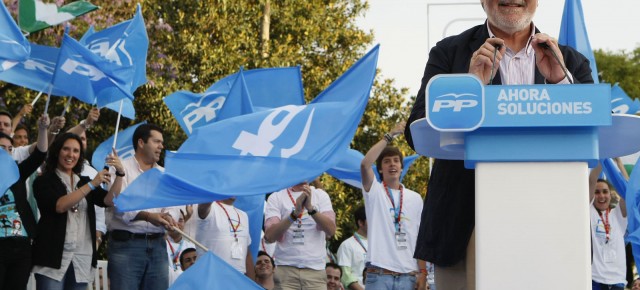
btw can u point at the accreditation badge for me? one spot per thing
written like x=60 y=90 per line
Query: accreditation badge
x=237 y=252
x=401 y=240
x=298 y=236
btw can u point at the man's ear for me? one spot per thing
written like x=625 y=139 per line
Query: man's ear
x=482 y=4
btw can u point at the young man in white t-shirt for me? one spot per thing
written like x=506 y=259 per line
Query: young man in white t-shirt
x=352 y=253
x=299 y=219
x=224 y=229
x=393 y=219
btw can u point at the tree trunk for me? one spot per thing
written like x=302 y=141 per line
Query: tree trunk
x=266 y=22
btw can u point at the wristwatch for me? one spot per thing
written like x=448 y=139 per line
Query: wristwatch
x=313 y=211
x=84 y=124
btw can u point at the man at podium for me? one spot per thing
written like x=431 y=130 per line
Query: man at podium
x=508 y=49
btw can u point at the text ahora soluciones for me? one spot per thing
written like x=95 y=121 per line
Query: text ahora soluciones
x=537 y=102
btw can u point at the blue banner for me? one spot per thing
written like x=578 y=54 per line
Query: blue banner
x=124 y=146
x=9 y=172
x=574 y=33
x=270 y=149
x=92 y=76
x=267 y=88
x=14 y=47
x=35 y=73
x=211 y=272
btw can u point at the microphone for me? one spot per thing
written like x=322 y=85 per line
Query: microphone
x=545 y=45
x=493 y=63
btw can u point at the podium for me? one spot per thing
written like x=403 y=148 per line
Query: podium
x=531 y=146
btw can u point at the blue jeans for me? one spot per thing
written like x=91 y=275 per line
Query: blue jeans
x=598 y=286
x=68 y=282
x=138 y=264
x=375 y=281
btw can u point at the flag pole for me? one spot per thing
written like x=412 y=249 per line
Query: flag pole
x=46 y=106
x=66 y=106
x=115 y=135
x=190 y=239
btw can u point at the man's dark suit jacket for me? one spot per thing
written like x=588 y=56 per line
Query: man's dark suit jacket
x=448 y=215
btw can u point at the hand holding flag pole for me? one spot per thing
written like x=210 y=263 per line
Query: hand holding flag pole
x=201 y=246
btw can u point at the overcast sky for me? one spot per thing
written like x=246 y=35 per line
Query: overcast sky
x=407 y=29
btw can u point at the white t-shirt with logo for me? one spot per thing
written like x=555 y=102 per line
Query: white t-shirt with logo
x=609 y=260
x=312 y=253
x=381 y=232
x=216 y=233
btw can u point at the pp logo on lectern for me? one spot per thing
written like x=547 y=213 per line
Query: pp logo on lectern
x=455 y=103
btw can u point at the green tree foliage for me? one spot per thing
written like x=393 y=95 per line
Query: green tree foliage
x=620 y=67
x=195 y=43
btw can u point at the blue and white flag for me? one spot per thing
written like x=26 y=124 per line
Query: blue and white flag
x=264 y=151
x=14 y=47
x=8 y=170
x=268 y=88
x=124 y=44
x=573 y=33
x=193 y=110
x=35 y=73
x=88 y=76
x=124 y=146
x=621 y=103
x=211 y=272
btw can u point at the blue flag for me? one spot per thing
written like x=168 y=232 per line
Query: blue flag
x=264 y=151
x=124 y=146
x=14 y=47
x=621 y=103
x=193 y=110
x=35 y=73
x=573 y=33
x=632 y=198
x=614 y=175
x=9 y=172
x=88 y=76
x=254 y=207
x=128 y=111
x=238 y=102
x=125 y=44
x=211 y=272
x=348 y=169
x=268 y=88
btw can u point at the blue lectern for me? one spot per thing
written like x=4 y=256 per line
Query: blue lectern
x=531 y=146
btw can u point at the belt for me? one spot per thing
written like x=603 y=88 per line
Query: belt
x=381 y=271
x=120 y=235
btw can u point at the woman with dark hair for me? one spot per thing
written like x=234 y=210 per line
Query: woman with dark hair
x=64 y=252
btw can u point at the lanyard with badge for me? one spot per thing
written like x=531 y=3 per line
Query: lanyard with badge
x=175 y=255
x=298 y=233
x=609 y=253
x=401 y=237
x=237 y=252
